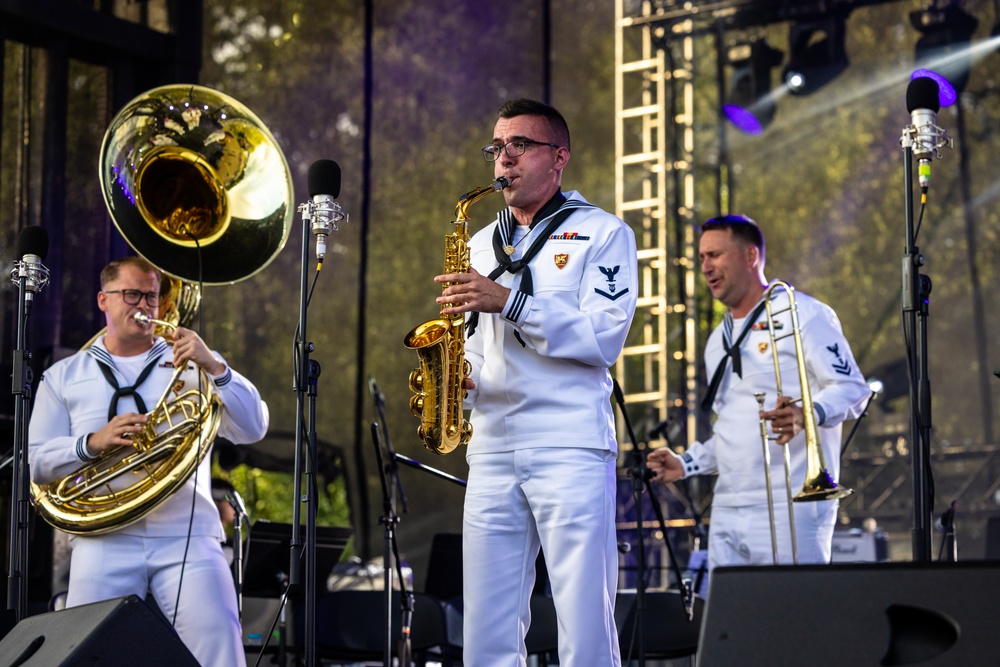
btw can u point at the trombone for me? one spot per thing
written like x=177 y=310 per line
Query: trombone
x=819 y=484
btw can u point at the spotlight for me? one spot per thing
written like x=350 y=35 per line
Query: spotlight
x=816 y=54
x=749 y=105
x=875 y=385
x=944 y=42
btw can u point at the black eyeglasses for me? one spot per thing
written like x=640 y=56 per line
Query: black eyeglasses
x=133 y=296
x=514 y=148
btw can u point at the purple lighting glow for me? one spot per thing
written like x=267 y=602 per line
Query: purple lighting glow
x=742 y=119
x=946 y=92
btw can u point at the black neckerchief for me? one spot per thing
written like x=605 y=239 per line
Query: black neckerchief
x=103 y=359
x=503 y=236
x=732 y=352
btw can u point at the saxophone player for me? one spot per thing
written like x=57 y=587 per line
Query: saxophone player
x=93 y=402
x=551 y=293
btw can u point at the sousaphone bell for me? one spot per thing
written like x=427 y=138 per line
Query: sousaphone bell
x=196 y=184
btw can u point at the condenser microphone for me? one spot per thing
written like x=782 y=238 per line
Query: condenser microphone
x=32 y=247
x=923 y=103
x=325 y=212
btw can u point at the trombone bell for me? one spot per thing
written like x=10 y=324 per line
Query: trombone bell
x=821 y=487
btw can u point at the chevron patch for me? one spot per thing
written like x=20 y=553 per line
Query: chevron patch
x=840 y=364
x=842 y=367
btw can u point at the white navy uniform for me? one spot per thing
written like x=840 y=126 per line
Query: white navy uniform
x=73 y=401
x=543 y=450
x=740 y=532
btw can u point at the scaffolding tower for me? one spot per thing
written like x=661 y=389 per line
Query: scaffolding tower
x=654 y=176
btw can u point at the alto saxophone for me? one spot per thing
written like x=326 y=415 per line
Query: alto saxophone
x=437 y=384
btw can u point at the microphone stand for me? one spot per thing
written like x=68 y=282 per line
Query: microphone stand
x=413 y=463
x=915 y=305
x=306 y=372
x=379 y=398
x=239 y=521
x=641 y=477
x=949 y=544
x=389 y=519
x=21 y=388
x=391 y=555
x=857 y=423
x=21 y=378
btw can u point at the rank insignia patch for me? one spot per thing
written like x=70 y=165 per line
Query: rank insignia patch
x=610 y=272
x=840 y=364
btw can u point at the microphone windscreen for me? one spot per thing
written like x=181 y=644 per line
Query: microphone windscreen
x=324 y=178
x=33 y=240
x=922 y=93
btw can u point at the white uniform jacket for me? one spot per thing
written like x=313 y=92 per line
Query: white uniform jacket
x=553 y=390
x=73 y=399
x=836 y=385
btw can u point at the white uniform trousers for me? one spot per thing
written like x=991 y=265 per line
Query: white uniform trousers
x=559 y=499
x=112 y=566
x=742 y=535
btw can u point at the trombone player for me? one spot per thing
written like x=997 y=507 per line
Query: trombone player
x=94 y=402
x=740 y=363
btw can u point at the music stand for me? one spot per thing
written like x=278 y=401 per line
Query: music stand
x=267 y=557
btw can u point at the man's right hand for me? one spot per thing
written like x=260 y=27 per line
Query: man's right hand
x=117 y=433
x=665 y=466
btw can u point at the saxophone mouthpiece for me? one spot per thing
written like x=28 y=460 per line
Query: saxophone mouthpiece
x=500 y=184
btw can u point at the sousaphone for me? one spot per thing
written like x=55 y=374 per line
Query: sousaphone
x=198 y=186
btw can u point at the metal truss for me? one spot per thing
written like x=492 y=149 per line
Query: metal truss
x=654 y=146
x=881 y=478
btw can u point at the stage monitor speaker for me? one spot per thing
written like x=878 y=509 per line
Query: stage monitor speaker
x=123 y=632
x=866 y=614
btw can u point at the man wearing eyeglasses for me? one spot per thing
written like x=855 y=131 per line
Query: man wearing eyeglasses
x=551 y=295
x=92 y=403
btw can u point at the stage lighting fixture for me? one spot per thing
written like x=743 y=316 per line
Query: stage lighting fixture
x=944 y=43
x=749 y=105
x=816 y=54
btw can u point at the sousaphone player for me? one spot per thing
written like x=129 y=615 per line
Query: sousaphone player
x=120 y=431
